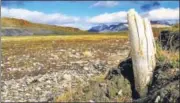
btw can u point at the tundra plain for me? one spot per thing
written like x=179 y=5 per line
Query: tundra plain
x=43 y=65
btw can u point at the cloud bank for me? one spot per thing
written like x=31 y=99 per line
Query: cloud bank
x=109 y=17
x=86 y=22
x=163 y=14
x=39 y=17
x=121 y=16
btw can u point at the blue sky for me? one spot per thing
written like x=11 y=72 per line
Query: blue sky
x=84 y=14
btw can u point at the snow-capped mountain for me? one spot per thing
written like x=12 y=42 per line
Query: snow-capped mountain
x=124 y=26
x=99 y=28
x=165 y=22
x=110 y=28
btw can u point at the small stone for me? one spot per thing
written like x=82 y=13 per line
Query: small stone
x=7 y=101
x=43 y=99
x=99 y=65
x=67 y=77
x=86 y=68
x=38 y=88
x=102 y=84
x=91 y=101
x=29 y=80
x=41 y=79
x=120 y=93
x=65 y=85
x=87 y=54
x=32 y=100
x=27 y=94
x=89 y=75
x=48 y=86
x=157 y=99
x=48 y=81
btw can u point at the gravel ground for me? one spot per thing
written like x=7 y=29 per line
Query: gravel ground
x=39 y=71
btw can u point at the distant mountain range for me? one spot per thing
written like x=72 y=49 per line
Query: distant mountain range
x=110 y=28
x=124 y=26
x=166 y=22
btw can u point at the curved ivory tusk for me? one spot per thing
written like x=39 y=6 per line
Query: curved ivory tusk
x=142 y=50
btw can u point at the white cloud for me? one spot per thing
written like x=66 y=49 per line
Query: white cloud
x=105 y=4
x=109 y=17
x=38 y=17
x=121 y=16
x=86 y=22
x=82 y=25
x=163 y=14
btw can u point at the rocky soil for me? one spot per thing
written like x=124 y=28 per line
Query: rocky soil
x=41 y=71
x=45 y=87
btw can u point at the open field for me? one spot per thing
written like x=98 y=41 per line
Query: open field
x=51 y=51
x=74 y=68
x=43 y=63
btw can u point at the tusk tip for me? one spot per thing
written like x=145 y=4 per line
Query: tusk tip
x=132 y=11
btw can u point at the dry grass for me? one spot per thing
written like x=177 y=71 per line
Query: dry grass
x=65 y=37
x=165 y=56
x=98 y=78
x=30 y=53
x=66 y=97
x=157 y=31
x=77 y=93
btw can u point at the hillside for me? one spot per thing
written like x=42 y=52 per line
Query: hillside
x=12 y=26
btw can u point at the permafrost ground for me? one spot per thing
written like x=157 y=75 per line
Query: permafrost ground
x=39 y=70
x=88 y=69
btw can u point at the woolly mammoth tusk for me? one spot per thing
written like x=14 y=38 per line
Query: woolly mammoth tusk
x=142 y=50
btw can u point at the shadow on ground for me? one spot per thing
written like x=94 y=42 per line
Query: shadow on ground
x=125 y=68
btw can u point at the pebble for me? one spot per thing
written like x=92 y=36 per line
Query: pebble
x=67 y=77
x=86 y=68
x=157 y=99
x=91 y=101
x=120 y=93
